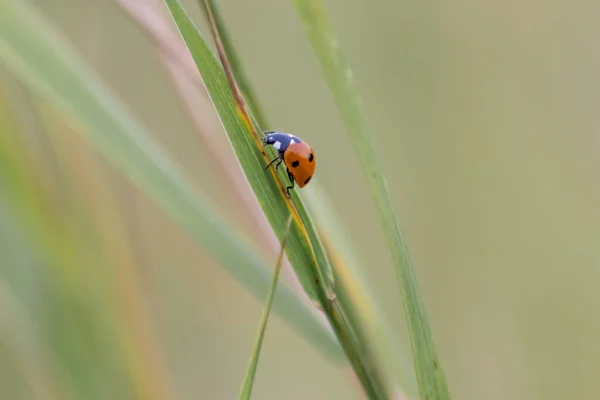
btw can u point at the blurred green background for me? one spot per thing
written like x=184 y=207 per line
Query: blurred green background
x=485 y=116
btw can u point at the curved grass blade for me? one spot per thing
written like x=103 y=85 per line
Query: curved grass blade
x=246 y=391
x=34 y=52
x=307 y=255
x=430 y=376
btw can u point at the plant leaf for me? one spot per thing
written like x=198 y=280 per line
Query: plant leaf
x=430 y=377
x=33 y=51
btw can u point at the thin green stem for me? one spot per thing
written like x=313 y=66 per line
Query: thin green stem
x=247 y=385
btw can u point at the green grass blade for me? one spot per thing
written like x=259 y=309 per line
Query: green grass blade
x=305 y=251
x=430 y=376
x=34 y=52
x=246 y=391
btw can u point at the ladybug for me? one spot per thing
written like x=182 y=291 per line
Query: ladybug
x=297 y=155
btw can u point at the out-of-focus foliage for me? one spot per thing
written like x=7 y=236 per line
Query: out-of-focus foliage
x=485 y=114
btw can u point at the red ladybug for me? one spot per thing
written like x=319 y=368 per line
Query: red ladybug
x=297 y=155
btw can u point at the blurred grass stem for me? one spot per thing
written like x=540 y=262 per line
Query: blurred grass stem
x=339 y=76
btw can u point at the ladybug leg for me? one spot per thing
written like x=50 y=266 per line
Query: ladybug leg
x=273 y=160
x=291 y=180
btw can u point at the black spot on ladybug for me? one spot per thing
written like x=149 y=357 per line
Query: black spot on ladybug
x=307 y=180
x=310 y=157
x=295 y=163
